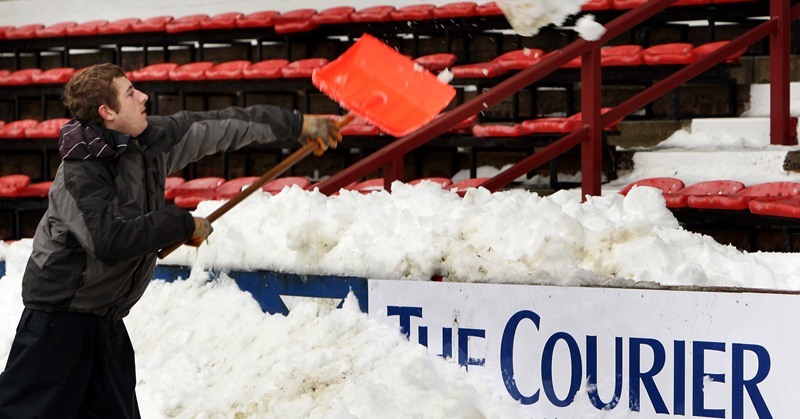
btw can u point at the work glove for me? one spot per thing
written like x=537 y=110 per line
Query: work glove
x=323 y=132
x=202 y=229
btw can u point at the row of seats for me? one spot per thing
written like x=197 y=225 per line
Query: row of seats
x=611 y=56
x=31 y=128
x=680 y=53
x=299 y=20
x=778 y=199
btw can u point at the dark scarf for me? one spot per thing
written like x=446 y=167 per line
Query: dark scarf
x=89 y=141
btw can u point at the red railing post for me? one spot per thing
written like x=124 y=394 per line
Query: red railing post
x=779 y=49
x=592 y=145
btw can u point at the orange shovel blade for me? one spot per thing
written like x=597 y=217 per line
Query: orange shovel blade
x=384 y=87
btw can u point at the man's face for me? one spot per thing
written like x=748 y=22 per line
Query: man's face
x=131 y=118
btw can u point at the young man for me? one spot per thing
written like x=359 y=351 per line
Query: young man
x=94 y=250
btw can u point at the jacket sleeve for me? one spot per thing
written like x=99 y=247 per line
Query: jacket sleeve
x=97 y=223
x=198 y=134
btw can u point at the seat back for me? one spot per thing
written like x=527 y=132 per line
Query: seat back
x=771 y=189
x=277 y=185
x=10 y=184
x=666 y=184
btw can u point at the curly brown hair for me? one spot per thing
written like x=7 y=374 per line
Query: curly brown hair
x=92 y=87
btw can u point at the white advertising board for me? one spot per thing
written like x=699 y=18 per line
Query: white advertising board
x=652 y=352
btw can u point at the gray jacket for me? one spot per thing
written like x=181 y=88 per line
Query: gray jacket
x=94 y=250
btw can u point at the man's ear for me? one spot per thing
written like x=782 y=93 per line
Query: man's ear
x=106 y=112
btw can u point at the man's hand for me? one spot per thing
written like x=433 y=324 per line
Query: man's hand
x=320 y=130
x=202 y=229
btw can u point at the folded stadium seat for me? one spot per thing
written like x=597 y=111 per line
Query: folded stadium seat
x=680 y=199
x=499 y=130
x=153 y=72
x=367 y=186
x=19 y=77
x=118 y=26
x=16 y=129
x=519 y=59
x=462 y=186
x=436 y=62
x=197 y=186
x=764 y=192
x=221 y=21
x=23 y=32
x=666 y=184
x=488 y=9
x=295 y=27
x=169 y=186
x=54 y=30
x=46 y=129
x=463 y=127
x=34 y=190
x=3 y=30
x=152 y=24
x=230 y=70
x=89 y=28
x=11 y=184
x=186 y=23
x=191 y=71
x=232 y=187
x=414 y=12
x=441 y=181
x=485 y=70
x=621 y=55
x=295 y=21
x=262 y=19
x=302 y=68
x=785 y=207
x=333 y=15
x=276 y=185
x=267 y=69
x=596 y=5
x=552 y=125
x=373 y=14
x=705 y=49
x=456 y=10
x=4 y=73
x=669 y=54
x=53 y=76
x=578 y=117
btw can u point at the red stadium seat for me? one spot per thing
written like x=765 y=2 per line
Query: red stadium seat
x=153 y=72
x=669 y=54
x=414 y=12
x=118 y=26
x=478 y=70
x=232 y=187
x=49 y=128
x=436 y=62
x=231 y=70
x=680 y=199
x=462 y=186
x=456 y=10
x=359 y=127
x=769 y=191
x=294 y=27
x=170 y=184
x=263 y=19
x=303 y=68
x=519 y=59
x=611 y=127
x=441 y=181
x=221 y=21
x=23 y=32
x=197 y=186
x=89 y=28
x=293 y=16
x=53 y=76
x=463 y=127
x=191 y=72
x=16 y=129
x=373 y=14
x=785 y=207
x=488 y=9
x=499 y=130
x=34 y=190
x=4 y=73
x=152 y=24
x=275 y=186
x=186 y=23
x=19 y=77
x=705 y=49
x=596 y=5
x=367 y=186
x=54 y=30
x=3 y=30
x=333 y=15
x=11 y=184
x=267 y=69
x=621 y=55
x=553 y=125
x=666 y=184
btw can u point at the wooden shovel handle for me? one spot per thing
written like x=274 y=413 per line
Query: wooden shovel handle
x=273 y=173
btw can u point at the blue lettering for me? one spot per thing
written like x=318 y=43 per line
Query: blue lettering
x=679 y=383
x=547 y=369
x=739 y=384
x=646 y=378
x=405 y=314
x=507 y=356
x=698 y=378
x=591 y=373
x=447 y=343
x=463 y=347
x=423 y=336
